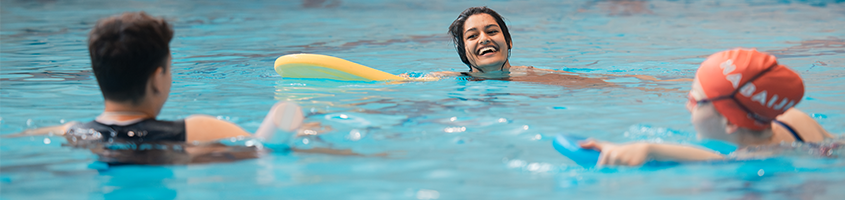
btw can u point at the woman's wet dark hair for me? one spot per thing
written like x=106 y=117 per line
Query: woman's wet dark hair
x=457 y=32
x=125 y=50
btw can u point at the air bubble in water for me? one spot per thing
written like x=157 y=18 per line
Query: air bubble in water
x=354 y=135
x=428 y=194
x=47 y=141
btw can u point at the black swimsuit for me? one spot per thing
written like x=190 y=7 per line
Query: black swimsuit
x=789 y=128
x=148 y=130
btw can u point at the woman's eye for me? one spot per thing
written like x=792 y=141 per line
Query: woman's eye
x=471 y=36
x=492 y=32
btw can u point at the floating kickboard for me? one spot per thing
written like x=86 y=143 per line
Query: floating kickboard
x=568 y=146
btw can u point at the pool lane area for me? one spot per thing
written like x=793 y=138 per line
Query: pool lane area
x=447 y=139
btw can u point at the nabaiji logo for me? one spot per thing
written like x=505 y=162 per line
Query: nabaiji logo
x=749 y=88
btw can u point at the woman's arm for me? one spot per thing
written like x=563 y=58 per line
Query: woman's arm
x=635 y=154
x=641 y=77
x=55 y=130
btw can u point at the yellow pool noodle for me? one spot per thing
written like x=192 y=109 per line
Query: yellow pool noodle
x=328 y=67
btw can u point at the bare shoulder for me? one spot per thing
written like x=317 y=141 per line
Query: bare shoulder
x=805 y=125
x=204 y=128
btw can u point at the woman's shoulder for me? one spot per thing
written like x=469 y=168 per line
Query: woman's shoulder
x=804 y=124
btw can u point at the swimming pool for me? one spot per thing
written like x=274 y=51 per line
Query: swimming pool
x=449 y=139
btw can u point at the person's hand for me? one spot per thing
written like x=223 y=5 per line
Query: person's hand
x=441 y=74
x=312 y=128
x=634 y=154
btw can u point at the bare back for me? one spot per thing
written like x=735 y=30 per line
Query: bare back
x=805 y=126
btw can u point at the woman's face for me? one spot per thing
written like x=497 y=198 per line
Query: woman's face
x=706 y=119
x=484 y=43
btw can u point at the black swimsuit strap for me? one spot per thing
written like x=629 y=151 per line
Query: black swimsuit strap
x=794 y=134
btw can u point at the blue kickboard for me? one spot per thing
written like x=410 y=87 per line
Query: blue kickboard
x=568 y=146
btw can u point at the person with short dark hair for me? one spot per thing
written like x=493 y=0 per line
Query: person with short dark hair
x=130 y=57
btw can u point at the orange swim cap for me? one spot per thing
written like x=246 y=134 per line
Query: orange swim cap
x=756 y=87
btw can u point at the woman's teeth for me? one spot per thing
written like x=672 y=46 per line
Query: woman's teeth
x=486 y=50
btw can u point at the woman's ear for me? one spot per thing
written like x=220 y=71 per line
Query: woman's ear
x=730 y=127
x=156 y=77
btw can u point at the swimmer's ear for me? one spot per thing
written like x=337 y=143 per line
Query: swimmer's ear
x=510 y=45
x=153 y=82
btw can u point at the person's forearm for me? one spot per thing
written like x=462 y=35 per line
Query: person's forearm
x=55 y=130
x=671 y=152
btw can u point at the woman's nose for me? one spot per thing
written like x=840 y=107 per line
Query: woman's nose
x=484 y=38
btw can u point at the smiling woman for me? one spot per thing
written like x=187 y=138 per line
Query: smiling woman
x=480 y=36
x=483 y=42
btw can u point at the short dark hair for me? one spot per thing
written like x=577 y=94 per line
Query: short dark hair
x=457 y=32
x=125 y=51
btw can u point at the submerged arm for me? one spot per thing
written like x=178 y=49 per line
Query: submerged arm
x=641 y=77
x=432 y=75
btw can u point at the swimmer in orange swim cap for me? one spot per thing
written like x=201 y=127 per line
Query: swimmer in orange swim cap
x=740 y=96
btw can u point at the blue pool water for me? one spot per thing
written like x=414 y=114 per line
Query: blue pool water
x=449 y=139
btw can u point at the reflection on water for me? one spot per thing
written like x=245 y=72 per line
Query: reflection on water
x=123 y=151
x=453 y=134
x=810 y=48
x=320 y=3
x=49 y=75
x=324 y=47
x=620 y=7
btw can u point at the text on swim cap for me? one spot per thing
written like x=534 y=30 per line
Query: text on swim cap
x=749 y=88
x=728 y=67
